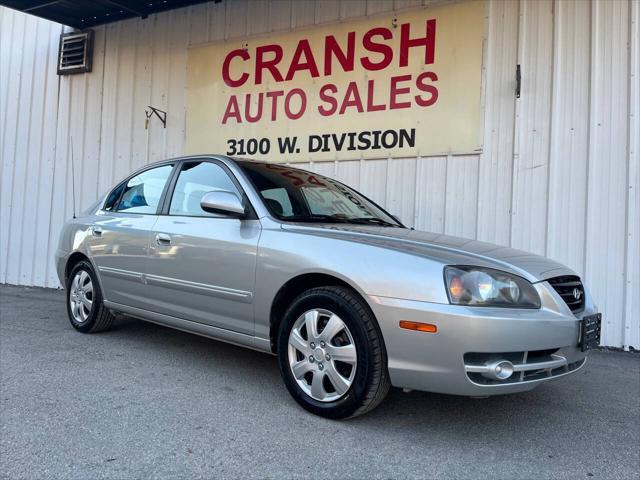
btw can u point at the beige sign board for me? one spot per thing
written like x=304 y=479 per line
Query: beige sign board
x=399 y=85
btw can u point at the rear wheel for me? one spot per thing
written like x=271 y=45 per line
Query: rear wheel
x=85 y=308
x=331 y=354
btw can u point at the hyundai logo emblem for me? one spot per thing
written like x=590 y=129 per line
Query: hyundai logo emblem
x=577 y=293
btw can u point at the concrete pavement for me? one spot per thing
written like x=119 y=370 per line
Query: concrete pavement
x=144 y=401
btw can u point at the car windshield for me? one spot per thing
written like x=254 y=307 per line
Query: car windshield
x=300 y=196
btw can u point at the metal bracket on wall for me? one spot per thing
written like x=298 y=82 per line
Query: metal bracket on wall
x=161 y=114
x=518 y=81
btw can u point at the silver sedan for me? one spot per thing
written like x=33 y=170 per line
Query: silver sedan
x=296 y=264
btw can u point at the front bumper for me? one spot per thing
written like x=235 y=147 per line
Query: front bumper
x=542 y=343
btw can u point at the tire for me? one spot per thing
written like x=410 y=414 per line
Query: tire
x=360 y=387
x=83 y=289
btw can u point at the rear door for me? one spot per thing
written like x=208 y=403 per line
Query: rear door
x=202 y=265
x=119 y=239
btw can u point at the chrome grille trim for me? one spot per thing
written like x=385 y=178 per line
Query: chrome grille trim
x=567 y=286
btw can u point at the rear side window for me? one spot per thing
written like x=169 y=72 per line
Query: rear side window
x=142 y=193
x=194 y=181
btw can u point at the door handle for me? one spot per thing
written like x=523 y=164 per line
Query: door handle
x=96 y=231
x=163 y=239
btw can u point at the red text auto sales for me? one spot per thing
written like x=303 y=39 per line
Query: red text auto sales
x=377 y=51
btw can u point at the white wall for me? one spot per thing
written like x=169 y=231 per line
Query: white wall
x=558 y=174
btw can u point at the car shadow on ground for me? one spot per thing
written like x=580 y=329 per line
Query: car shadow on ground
x=533 y=410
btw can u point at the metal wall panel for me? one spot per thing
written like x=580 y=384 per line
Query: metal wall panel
x=558 y=173
x=532 y=127
x=608 y=160
x=401 y=188
x=461 y=194
x=11 y=63
x=373 y=180
x=566 y=207
x=18 y=265
x=631 y=325
x=496 y=165
x=431 y=175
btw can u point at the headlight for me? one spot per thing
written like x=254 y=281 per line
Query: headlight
x=486 y=287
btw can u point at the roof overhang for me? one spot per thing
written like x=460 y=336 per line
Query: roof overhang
x=82 y=14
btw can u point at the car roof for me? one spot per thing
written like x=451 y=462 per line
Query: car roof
x=212 y=156
x=205 y=155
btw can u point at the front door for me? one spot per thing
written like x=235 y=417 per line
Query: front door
x=202 y=266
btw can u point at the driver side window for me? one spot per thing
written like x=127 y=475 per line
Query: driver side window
x=196 y=179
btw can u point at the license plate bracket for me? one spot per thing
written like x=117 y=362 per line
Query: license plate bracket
x=590 y=331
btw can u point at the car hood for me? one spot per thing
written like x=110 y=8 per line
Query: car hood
x=446 y=249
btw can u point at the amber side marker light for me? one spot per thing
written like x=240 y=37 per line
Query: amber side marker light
x=418 y=326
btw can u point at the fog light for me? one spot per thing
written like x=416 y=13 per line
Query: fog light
x=500 y=370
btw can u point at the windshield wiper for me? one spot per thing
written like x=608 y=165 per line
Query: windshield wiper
x=315 y=218
x=372 y=220
x=339 y=218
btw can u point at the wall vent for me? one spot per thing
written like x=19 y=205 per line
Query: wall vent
x=75 y=53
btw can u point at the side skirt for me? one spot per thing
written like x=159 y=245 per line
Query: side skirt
x=215 y=333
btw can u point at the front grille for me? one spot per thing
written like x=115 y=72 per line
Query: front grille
x=571 y=290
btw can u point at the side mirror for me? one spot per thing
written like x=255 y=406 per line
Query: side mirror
x=222 y=202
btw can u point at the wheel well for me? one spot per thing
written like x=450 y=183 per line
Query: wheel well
x=72 y=261
x=290 y=290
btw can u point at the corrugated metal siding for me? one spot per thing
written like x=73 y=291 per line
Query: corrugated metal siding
x=496 y=165
x=569 y=150
x=631 y=325
x=558 y=174
x=608 y=160
x=28 y=129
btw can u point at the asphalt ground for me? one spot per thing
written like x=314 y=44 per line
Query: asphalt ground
x=144 y=401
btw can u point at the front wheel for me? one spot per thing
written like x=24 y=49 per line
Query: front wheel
x=85 y=308
x=331 y=354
